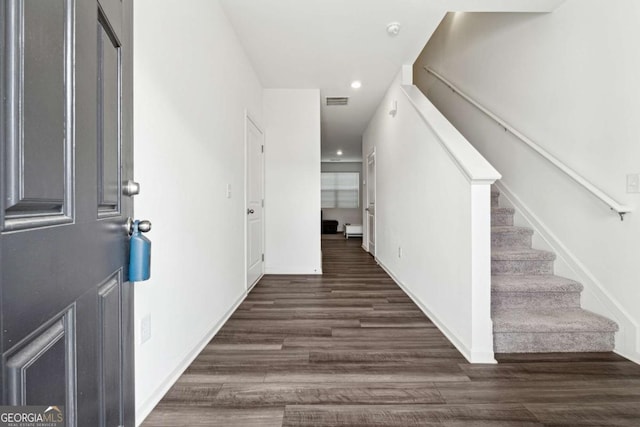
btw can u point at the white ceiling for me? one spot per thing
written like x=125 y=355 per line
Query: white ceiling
x=326 y=44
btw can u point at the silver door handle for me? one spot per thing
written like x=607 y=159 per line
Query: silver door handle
x=250 y=211
x=131 y=188
x=144 y=226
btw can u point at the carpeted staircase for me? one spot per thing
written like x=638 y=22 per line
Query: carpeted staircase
x=533 y=310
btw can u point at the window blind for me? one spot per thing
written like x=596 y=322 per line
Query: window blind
x=340 y=189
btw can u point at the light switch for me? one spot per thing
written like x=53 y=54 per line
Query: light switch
x=228 y=191
x=145 y=329
x=633 y=183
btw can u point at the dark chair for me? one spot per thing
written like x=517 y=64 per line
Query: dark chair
x=329 y=226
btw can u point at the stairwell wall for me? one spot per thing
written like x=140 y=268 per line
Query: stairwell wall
x=425 y=228
x=569 y=81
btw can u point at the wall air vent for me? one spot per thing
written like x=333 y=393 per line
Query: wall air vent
x=337 y=100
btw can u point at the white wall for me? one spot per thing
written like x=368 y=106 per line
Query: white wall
x=192 y=84
x=569 y=81
x=292 y=193
x=425 y=202
x=343 y=215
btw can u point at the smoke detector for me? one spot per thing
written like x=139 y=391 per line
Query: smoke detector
x=393 y=29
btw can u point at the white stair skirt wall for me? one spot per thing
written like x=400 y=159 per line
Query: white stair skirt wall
x=433 y=216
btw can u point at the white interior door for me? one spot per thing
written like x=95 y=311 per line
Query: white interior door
x=255 y=202
x=371 y=203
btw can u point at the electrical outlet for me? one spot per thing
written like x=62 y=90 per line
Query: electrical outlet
x=145 y=329
x=399 y=251
x=633 y=183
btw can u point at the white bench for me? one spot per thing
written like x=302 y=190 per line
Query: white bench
x=351 y=230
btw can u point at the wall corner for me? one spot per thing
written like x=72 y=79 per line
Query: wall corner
x=407 y=74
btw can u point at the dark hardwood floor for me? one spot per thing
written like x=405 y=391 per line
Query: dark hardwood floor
x=349 y=348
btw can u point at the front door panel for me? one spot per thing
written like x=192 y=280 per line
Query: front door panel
x=46 y=354
x=66 y=305
x=109 y=109
x=109 y=352
x=37 y=157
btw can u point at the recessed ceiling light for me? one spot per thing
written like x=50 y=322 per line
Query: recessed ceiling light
x=356 y=84
x=393 y=29
x=339 y=152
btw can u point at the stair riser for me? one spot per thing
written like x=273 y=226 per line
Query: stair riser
x=510 y=240
x=501 y=219
x=499 y=267
x=531 y=300
x=535 y=342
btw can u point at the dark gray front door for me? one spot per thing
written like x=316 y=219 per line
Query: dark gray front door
x=66 y=334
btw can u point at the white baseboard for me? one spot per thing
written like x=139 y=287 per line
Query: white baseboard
x=145 y=409
x=254 y=283
x=471 y=356
x=287 y=269
x=635 y=358
x=628 y=337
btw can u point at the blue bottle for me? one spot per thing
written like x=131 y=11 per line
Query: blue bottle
x=139 y=256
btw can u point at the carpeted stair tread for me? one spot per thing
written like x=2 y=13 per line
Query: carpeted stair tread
x=553 y=342
x=500 y=210
x=534 y=311
x=542 y=320
x=511 y=229
x=501 y=216
x=521 y=255
x=494 y=198
x=510 y=237
x=534 y=283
